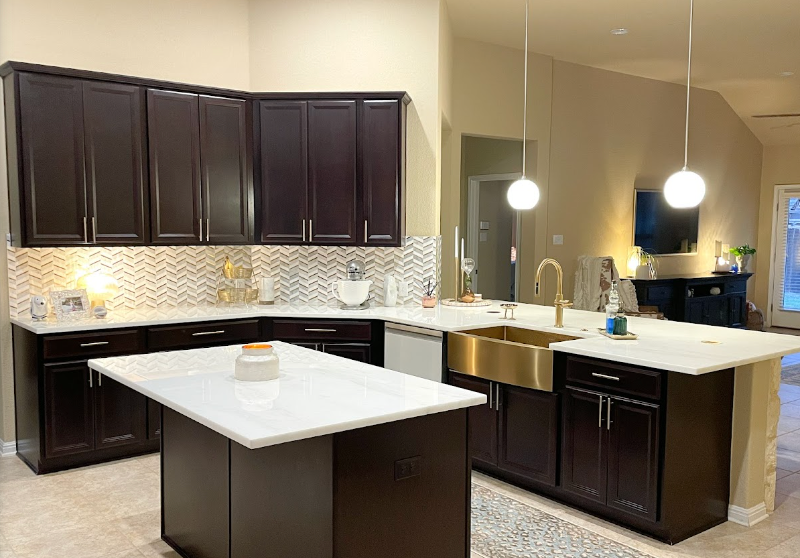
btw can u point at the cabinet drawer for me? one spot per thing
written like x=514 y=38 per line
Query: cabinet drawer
x=661 y=293
x=202 y=334
x=614 y=377
x=323 y=330
x=736 y=286
x=87 y=345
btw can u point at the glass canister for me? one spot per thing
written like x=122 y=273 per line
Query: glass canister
x=257 y=363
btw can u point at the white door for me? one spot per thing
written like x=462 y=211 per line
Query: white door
x=786 y=259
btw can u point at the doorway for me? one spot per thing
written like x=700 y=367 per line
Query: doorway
x=785 y=270
x=493 y=232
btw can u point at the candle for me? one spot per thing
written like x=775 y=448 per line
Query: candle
x=462 y=249
x=456 y=237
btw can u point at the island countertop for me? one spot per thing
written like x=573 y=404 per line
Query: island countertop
x=316 y=393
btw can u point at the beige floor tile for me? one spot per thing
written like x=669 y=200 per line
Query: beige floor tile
x=789 y=393
x=790 y=486
x=87 y=541
x=158 y=548
x=788 y=460
x=788 y=424
x=780 y=473
x=141 y=529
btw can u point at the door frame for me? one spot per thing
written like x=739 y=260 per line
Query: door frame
x=779 y=189
x=473 y=217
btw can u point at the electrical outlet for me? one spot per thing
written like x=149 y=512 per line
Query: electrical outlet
x=558 y=239
x=408 y=468
x=402 y=289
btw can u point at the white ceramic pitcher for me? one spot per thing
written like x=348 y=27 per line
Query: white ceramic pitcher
x=351 y=293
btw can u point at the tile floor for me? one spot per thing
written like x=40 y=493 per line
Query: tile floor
x=112 y=511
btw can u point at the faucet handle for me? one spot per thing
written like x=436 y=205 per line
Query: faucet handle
x=564 y=303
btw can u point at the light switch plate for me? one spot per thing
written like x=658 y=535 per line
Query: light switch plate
x=558 y=239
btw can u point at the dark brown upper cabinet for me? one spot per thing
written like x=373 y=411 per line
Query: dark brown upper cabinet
x=226 y=170
x=76 y=161
x=283 y=129
x=174 y=136
x=200 y=172
x=381 y=159
x=116 y=164
x=332 y=173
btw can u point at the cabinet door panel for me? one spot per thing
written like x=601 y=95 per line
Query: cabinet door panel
x=719 y=313
x=482 y=421
x=696 y=311
x=529 y=433
x=332 y=172
x=115 y=162
x=226 y=175
x=120 y=414
x=583 y=452
x=69 y=410
x=381 y=159
x=633 y=458
x=53 y=160
x=354 y=351
x=738 y=310
x=174 y=134
x=284 y=171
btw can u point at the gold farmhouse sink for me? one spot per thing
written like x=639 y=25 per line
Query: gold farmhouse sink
x=504 y=354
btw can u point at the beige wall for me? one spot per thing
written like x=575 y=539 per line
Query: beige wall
x=487 y=101
x=612 y=132
x=367 y=45
x=781 y=167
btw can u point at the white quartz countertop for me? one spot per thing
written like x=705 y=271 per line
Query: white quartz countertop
x=316 y=393
x=672 y=346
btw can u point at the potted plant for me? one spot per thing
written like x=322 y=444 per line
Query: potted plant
x=743 y=256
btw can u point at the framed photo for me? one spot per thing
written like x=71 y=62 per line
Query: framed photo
x=70 y=305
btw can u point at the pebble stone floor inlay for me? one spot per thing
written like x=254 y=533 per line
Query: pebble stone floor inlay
x=112 y=511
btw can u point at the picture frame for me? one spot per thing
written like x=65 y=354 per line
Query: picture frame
x=70 y=304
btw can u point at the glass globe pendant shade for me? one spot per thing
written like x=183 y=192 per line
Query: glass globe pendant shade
x=523 y=194
x=684 y=189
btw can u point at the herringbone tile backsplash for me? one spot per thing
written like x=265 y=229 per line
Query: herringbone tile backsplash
x=156 y=276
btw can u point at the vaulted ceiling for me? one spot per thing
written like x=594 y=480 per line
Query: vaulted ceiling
x=741 y=47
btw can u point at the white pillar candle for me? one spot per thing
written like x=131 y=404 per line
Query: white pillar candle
x=462 y=249
x=456 y=241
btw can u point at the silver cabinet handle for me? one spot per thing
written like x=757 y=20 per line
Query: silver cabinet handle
x=208 y=229
x=311 y=230
x=491 y=394
x=94 y=344
x=320 y=330
x=605 y=377
x=600 y=413
x=608 y=415
x=304 y=230
x=94 y=230
x=497 y=399
x=366 y=236
x=99 y=379
x=201 y=333
x=201 y=228
x=85 y=232
x=91 y=373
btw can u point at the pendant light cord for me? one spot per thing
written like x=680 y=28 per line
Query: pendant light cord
x=688 y=86
x=525 y=96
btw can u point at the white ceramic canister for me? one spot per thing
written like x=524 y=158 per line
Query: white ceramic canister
x=266 y=291
x=257 y=363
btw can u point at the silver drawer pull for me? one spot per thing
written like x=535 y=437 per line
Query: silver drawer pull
x=320 y=330
x=95 y=344
x=603 y=376
x=201 y=333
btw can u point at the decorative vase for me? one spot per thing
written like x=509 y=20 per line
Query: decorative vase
x=744 y=263
x=429 y=301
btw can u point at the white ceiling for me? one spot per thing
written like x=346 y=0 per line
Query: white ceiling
x=740 y=46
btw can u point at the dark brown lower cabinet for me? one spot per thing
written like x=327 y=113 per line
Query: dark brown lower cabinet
x=611 y=450
x=68 y=409
x=153 y=420
x=353 y=351
x=516 y=432
x=120 y=414
x=351 y=339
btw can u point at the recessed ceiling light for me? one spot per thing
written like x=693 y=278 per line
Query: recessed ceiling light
x=619 y=31
x=786 y=74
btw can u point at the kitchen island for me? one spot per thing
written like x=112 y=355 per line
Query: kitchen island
x=334 y=458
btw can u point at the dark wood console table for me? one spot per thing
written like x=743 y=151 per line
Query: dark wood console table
x=689 y=298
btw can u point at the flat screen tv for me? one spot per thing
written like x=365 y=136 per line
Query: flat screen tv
x=660 y=229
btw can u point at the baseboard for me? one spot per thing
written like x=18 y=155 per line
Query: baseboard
x=7 y=448
x=748 y=516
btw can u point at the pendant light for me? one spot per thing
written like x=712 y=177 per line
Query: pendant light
x=524 y=193
x=685 y=188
